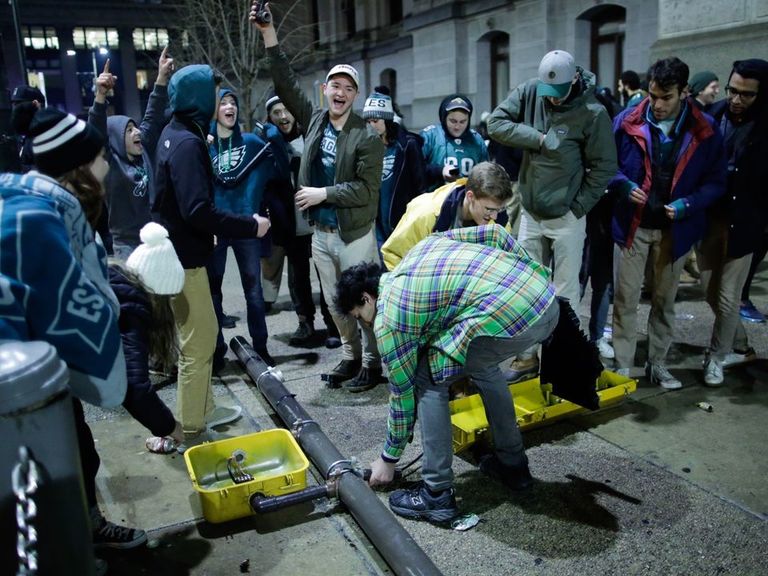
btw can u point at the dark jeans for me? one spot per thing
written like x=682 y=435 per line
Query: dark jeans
x=299 y=252
x=89 y=458
x=597 y=266
x=248 y=255
x=757 y=257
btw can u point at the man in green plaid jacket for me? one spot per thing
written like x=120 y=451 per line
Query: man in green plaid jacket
x=459 y=303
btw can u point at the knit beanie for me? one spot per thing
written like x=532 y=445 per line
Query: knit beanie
x=378 y=106
x=701 y=80
x=61 y=142
x=272 y=99
x=155 y=261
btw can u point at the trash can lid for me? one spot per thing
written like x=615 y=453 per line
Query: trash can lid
x=30 y=374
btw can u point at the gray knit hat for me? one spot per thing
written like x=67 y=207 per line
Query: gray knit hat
x=378 y=106
x=701 y=80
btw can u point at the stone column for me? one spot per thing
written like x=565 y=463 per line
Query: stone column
x=131 y=102
x=72 y=96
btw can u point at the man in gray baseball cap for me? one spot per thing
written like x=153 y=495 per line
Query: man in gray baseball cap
x=568 y=158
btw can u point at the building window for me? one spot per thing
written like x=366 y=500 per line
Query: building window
x=607 y=25
x=40 y=37
x=395 y=11
x=348 y=12
x=388 y=78
x=150 y=38
x=95 y=38
x=499 y=68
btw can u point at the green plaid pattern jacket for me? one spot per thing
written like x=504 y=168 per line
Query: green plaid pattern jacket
x=449 y=289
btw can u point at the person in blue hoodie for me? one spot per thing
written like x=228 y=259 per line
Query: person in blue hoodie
x=181 y=196
x=243 y=164
x=452 y=149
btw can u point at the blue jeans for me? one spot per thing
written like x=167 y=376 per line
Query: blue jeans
x=248 y=255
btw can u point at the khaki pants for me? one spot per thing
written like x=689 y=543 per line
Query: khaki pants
x=197 y=328
x=332 y=256
x=272 y=273
x=629 y=270
x=722 y=279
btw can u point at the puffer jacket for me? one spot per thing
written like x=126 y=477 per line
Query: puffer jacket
x=359 y=154
x=141 y=400
x=572 y=167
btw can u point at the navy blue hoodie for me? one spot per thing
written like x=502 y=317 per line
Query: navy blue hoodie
x=181 y=194
x=243 y=164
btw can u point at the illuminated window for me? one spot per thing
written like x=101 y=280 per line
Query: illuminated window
x=40 y=37
x=142 y=80
x=150 y=38
x=95 y=38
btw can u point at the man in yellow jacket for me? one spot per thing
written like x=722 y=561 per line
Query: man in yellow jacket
x=479 y=199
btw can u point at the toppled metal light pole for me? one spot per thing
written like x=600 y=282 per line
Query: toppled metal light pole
x=393 y=542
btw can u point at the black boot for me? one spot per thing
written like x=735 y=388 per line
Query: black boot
x=344 y=370
x=366 y=379
x=303 y=334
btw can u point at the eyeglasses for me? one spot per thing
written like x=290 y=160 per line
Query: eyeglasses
x=743 y=94
x=492 y=211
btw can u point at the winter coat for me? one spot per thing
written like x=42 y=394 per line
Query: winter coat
x=408 y=174
x=431 y=212
x=571 y=168
x=359 y=152
x=699 y=176
x=181 y=192
x=746 y=200
x=55 y=287
x=141 y=400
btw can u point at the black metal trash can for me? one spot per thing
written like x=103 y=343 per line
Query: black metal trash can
x=40 y=466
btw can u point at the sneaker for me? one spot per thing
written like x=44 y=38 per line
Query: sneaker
x=266 y=356
x=332 y=342
x=366 y=379
x=514 y=477
x=107 y=534
x=623 y=372
x=739 y=357
x=303 y=334
x=343 y=371
x=521 y=370
x=419 y=502
x=228 y=321
x=713 y=372
x=223 y=415
x=660 y=376
x=605 y=349
x=192 y=440
x=750 y=313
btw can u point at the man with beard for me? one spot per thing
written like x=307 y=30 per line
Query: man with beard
x=26 y=100
x=736 y=234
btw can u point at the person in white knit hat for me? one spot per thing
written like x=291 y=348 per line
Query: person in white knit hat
x=152 y=275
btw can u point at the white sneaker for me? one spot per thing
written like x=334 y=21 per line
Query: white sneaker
x=660 y=376
x=605 y=349
x=733 y=358
x=223 y=415
x=713 y=372
x=623 y=372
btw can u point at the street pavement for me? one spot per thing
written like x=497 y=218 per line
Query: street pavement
x=654 y=486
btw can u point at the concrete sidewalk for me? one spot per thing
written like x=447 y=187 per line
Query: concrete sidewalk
x=653 y=486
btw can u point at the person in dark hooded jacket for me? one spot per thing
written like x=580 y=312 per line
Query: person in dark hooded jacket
x=131 y=152
x=243 y=164
x=452 y=149
x=738 y=221
x=182 y=201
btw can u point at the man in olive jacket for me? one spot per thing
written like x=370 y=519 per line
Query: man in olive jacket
x=339 y=179
x=569 y=157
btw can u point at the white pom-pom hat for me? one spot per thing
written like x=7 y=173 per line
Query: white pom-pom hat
x=155 y=262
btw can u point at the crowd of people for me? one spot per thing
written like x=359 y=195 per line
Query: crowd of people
x=439 y=255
